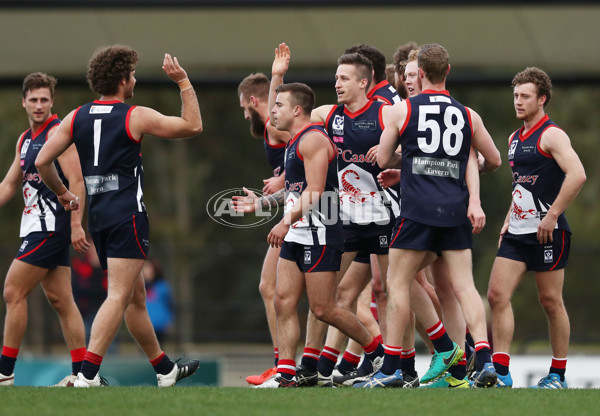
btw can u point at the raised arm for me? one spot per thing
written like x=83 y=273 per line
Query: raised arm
x=13 y=178
x=281 y=63
x=556 y=142
x=144 y=120
x=484 y=144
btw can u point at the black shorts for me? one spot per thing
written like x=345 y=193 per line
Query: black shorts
x=537 y=257
x=412 y=235
x=45 y=249
x=367 y=239
x=363 y=258
x=128 y=239
x=312 y=258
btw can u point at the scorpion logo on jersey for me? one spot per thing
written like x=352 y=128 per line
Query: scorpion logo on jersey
x=356 y=196
x=518 y=212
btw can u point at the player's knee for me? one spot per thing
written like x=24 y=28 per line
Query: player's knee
x=496 y=297
x=551 y=303
x=267 y=291
x=13 y=295
x=322 y=312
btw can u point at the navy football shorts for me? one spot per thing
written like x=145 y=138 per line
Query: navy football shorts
x=537 y=257
x=45 y=249
x=412 y=235
x=367 y=239
x=363 y=258
x=128 y=239
x=312 y=258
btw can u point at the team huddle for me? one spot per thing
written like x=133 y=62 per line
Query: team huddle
x=381 y=196
x=383 y=187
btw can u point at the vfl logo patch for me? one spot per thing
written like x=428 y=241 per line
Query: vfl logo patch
x=101 y=109
x=338 y=125
x=307 y=257
x=383 y=241
x=22 y=248
x=548 y=257
x=24 y=148
x=513 y=147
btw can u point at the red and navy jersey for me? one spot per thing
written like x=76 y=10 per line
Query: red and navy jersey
x=384 y=92
x=111 y=162
x=321 y=225
x=42 y=210
x=537 y=180
x=362 y=198
x=275 y=154
x=436 y=141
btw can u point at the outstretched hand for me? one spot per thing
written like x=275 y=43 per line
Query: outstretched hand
x=247 y=203
x=173 y=69
x=388 y=178
x=281 y=62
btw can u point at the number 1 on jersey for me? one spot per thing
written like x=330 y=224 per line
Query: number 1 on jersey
x=97 y=132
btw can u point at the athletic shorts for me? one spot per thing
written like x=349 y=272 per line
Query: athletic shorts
x=363 y=258
x=45 y=249
x=412 y=235
x=537 y=257
x=312 y=258
x=126 y=240
x=367 y=239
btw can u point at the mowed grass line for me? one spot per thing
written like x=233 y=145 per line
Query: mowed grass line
x=215 y=401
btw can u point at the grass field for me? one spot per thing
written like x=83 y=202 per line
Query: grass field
x=215 y=401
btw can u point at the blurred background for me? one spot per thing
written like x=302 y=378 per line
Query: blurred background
x=212 y=271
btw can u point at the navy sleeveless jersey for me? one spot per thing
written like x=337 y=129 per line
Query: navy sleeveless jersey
x=537 y=180
x=111 y=162
x=42 y=210
x=436 y=141
x=322 y=225
x=363 y=201
x=275 y=154
x=384 y=92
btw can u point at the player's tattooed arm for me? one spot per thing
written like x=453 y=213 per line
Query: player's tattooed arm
x=272 y=200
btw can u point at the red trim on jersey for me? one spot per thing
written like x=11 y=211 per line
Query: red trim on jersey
x=38 y=131
x=548 y=155
x=359 y=112
x=137 y=240
x=442 y=92
x=73 y=120
x=372 y=96
x=21 y=137
x=470 y=121
x=408 y=113
x=329 y=117
x=300 y=133
x=562 y=250
x=399 y=228
x=38 y=246
x=318 y=261
x=381 y=117
x=534 y=128
x=107 y=102
x=266 y=137
x=127 y=126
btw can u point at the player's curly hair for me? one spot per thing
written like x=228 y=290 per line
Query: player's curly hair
x=433 y=59
x=537 y=77
x=109 y=66
x=37 y=80
x=401 y=56
x=374 y=55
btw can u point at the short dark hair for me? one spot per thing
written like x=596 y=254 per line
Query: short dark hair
x=374 y=55
x=537 y=77
x=433 y=59
x=37 y=80
x=401 y=56
x=255 y=84
x=362 y=64
x=109 y=66
x=301 y=94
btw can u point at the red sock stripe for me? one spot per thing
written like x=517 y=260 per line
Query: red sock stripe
x=559 y=362
x=10 y=352
x=392 y=350
x=312 y=353
x=78 y=354
x=481 y=345
x=501 y=358
x=351 y=357
x=330 y=354
x=157 y=359
x=93 y=358
x=379 y=338
x=372 y=346
x=436 y=331
x=462 y=361
x=286 y=366
x=409 y=354
x=276 y=351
